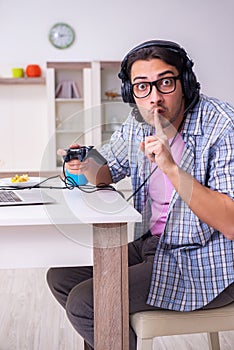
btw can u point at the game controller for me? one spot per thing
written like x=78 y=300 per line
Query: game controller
x=81 y=154
x=84 y=153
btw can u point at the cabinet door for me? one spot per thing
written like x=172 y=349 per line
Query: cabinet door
x=24 y=133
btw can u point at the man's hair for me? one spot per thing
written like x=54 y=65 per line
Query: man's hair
x=168 y=56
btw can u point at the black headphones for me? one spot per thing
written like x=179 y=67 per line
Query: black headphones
x=189 y=82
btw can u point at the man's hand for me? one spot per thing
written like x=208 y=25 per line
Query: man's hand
x=157 y=147
x=94 y=172
x=73 y=167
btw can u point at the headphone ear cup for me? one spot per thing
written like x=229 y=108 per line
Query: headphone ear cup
x=189 y=80
x=126 y=92
x=186 y=84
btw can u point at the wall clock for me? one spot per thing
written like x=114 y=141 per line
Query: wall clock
x=61 y=35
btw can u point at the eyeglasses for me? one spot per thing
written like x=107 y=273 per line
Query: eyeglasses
x=164 y=85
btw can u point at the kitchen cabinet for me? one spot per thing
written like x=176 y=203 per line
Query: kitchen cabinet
x=96 y=110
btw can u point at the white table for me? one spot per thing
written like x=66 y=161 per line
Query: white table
x=79 y=229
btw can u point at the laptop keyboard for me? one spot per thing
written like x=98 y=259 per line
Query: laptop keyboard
x=9 y=196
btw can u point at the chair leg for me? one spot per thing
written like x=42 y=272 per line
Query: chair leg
x=213 y=341
x=144 y=344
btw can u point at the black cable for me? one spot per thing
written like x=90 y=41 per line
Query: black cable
x=143 y=183
x=71 y=184
x=156 y=167
x=38 y=185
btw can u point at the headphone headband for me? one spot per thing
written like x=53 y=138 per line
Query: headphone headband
x=170 y=45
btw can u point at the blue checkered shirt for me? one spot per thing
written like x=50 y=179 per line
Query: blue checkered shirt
x=193 y=262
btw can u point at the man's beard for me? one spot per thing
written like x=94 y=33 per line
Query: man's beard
x=148 y=115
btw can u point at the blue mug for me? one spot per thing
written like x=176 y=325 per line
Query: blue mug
x=76 y=179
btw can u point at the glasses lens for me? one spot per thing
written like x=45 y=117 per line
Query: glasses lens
x=141 y=90
x=166 y=85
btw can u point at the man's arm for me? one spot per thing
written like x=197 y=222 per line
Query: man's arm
x=214 y=208
x=95 y=173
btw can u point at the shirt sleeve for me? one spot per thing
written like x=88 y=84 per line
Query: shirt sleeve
x=116 y=154
x=222 y=165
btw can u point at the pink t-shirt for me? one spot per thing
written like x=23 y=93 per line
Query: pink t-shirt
x=160 y=190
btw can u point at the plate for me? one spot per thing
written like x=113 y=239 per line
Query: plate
x=31 y=182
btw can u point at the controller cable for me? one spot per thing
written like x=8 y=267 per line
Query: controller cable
x=68 y=181
x=156 y=166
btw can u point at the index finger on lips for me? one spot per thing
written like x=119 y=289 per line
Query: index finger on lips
x=158 y=126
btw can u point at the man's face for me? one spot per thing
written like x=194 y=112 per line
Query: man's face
x=169 y=106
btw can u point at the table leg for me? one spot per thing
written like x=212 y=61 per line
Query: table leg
x=111 y=310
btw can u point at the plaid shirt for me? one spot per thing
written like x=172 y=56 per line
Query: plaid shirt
x=193 y=262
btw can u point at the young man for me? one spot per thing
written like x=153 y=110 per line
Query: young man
x=180 y=146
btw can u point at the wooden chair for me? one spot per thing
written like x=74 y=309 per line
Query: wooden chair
x=158 y=323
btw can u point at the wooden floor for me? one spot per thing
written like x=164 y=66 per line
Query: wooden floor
x=30 y=319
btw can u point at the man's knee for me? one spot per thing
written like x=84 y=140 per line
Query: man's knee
x=79 y=309
x=54 y=278
x=80 y=300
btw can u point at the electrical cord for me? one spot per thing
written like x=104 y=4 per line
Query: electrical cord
x=143 y=183
x=37 y=185
x=156 y=167
x=68 y=181
x=71 y=184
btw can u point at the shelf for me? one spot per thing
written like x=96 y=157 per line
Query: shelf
x=69 y=131
x=76 y=100
x=68 y=65
x=16 y=81
x=110 y=100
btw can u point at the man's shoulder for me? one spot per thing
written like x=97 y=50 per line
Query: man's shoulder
x=210 y=116
x=212 y=111
x=208 y=105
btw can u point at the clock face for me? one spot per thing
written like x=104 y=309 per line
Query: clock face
x=61 y=35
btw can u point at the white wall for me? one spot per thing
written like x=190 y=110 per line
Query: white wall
x=107 y=29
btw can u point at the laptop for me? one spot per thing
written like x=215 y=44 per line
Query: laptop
x=24 y=197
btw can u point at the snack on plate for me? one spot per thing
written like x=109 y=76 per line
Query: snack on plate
x=20 y=178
